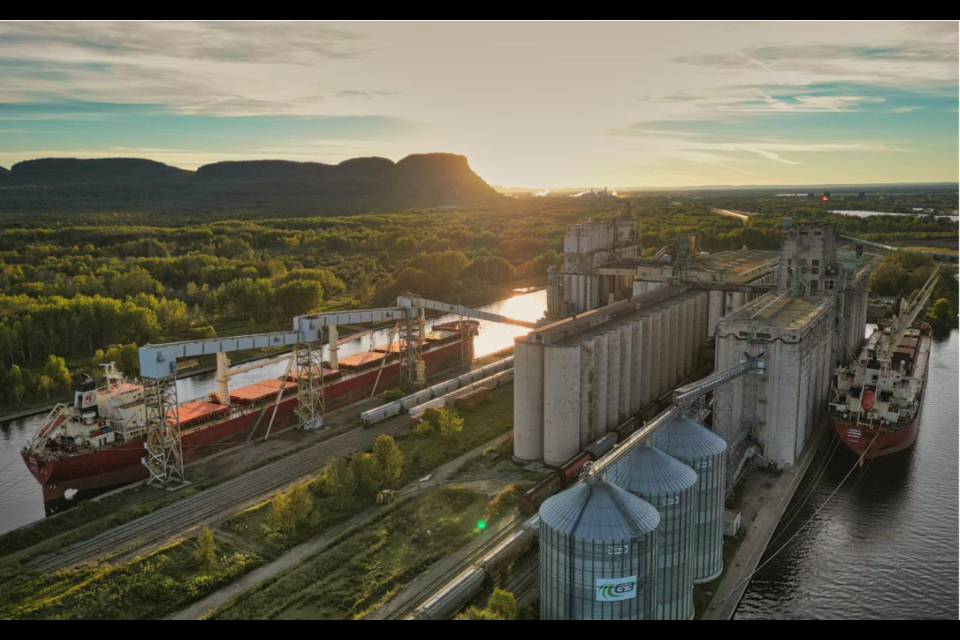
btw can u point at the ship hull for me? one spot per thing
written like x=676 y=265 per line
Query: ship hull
x=874 y=443
x=94 y=472
x=869 y=442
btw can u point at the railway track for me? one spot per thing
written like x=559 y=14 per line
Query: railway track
x=411 y=598
x=524 y=582
x=217 y=501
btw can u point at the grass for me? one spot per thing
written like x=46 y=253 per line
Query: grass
x=149 y=587
x=483 y=423
x=253 y=524
x=368 y=567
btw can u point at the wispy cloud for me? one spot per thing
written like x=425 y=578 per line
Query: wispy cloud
x=261 y=42
x=909 y=109
x=752 y=100
x=910 y=61
x=234 y=68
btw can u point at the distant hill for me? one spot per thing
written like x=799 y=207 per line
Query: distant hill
x=50 y=171
x=279 y=186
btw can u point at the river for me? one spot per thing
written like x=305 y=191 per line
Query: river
x=21 y=501
x=885 y=545
x=870 y=214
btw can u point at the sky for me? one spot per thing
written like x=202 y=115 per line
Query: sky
x=537 y=105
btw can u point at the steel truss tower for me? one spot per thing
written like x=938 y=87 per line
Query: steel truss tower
x=164 y=452
x=412 y=369
x=310 y=406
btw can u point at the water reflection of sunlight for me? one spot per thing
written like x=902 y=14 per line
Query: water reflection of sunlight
x=493 y=337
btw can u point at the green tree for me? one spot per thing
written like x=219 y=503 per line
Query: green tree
x=56 y=370
x=135 y=281
x=14 y=383
x=450 y=422
x=503 y=605
x=339 y=481
x=389 y=460
x=475 y=613
x=941 y=315
x=300 y=505
x=298 y=297
x=366 y=475
x=205 y=554
x=279 y=518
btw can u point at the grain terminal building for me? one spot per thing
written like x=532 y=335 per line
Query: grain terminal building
x=579 y=378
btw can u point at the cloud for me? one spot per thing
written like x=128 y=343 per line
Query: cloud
x=715 y=150
x=226 y=69
x=260 y=42
x=734 y=100
x=914 y=61
x=910 y=109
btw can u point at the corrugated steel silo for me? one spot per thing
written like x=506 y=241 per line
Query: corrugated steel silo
x=706 y=453
x=671 y=487
x=598 y=555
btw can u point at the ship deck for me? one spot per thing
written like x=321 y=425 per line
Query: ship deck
x=199 y=410
x=262 y=390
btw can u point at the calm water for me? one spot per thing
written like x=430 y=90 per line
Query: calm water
x=868 y=214
x=21 y=501
x=885 y=546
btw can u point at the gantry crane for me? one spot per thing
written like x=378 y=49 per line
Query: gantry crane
x=158 y=368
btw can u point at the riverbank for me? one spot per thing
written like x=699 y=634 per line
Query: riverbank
x=207 y=364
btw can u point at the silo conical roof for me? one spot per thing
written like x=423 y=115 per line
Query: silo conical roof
x=684 y=438
x=646 y=469
x=598 y=511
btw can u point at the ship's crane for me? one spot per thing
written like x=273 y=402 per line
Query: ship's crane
x=158 y=368
x=910 y=310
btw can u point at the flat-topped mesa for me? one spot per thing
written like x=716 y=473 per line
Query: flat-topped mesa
x=422 y=180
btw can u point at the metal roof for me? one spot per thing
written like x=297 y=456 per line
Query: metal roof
x=684 y=438
x=598 y=511
x=646 y=469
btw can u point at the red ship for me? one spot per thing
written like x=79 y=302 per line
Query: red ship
x=97 y=443
x=876 y=408
x=876 y=402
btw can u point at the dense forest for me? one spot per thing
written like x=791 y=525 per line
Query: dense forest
x=79 y=288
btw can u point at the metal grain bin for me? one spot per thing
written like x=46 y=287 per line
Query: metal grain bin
x=598 y=561
x=671 y=487
x=706 y=453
